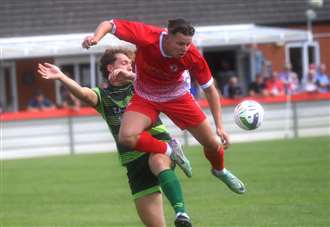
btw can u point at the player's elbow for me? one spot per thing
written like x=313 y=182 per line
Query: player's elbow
x=106 y=25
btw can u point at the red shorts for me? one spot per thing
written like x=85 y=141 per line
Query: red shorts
x=185 y=112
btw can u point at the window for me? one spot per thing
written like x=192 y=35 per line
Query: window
x=79 y=68
x=301 y=55
x=222 y=64
x=8 y=90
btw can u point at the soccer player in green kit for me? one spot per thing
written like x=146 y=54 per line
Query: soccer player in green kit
x=146 y=172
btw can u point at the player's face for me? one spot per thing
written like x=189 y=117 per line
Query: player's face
x=178 y=45
x=122 y=62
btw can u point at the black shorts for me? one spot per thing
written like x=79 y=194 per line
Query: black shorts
x=140 y=178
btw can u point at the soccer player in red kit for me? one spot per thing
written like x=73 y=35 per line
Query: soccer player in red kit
x=162 y=57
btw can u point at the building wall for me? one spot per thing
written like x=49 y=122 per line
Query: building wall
x=276 y=52
x=324 y=43
x=25 y=18
x=321 y=30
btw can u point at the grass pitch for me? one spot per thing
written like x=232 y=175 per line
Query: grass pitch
x=288 y=184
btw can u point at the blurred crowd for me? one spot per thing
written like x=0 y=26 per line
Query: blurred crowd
x=270 y=83
x=265 y=81
x=39 y=102
x=286 y=82
x=282 y=83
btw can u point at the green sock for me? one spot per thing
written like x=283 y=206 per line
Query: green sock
x=172 y=189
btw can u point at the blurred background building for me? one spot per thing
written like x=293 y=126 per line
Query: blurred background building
x=238 y=38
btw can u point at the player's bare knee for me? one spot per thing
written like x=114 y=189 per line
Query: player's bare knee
x=159 y=163
x=127 y=141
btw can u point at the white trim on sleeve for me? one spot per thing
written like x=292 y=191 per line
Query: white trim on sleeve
x=113 y=30
x=208 y=84
x=161 y=45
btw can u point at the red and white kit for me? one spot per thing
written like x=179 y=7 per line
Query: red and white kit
x=160 y=81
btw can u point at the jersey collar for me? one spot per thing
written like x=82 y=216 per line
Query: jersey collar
x=161 y=44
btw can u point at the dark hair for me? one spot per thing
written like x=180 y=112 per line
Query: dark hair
x=109 y=57
x=180 y=25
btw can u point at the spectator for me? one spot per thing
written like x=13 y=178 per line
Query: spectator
x=223 y=75
x=232 y=90
x=258 y=87
x=40 y=103
x=290 y=79
x=274 y=85
x=312 y=67
x=258 y=58
x=69 y=100
x=322 y=79
x=309 y=84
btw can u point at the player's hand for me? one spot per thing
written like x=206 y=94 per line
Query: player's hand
x=224 y=137
x=117 y=75
x=49 y=71
x=88 y=42
x=121 y=75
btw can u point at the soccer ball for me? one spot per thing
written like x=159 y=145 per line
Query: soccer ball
x=248 y=114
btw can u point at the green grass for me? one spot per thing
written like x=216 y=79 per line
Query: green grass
x=288 y=185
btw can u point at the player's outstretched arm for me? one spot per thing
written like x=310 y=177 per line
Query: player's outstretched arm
x=52 y=72
x=213 y=100
x=102 y=29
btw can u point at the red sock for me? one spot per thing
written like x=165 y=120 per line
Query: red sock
x=149 y=144
x=216 y=158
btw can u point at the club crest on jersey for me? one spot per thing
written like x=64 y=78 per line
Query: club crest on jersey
x=173 y=68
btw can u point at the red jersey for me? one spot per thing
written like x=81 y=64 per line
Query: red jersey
x=275 y=87
x=160 y=77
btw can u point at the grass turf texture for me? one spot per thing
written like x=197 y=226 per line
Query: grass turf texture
x=287 y=180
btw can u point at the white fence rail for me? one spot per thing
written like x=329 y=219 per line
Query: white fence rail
x=89 y=134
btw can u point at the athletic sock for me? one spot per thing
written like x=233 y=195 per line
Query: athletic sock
x=168 y=150
x=172 y=189
x=220 y=172
x=216 y=158
x=149 y=144
x=182 y=214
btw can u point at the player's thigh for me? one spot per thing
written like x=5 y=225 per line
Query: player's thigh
x=140 y=114
x=133 y=123
x=204 y=135
x=150 y=210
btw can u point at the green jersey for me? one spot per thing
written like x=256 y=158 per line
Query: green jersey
x=112 y=102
